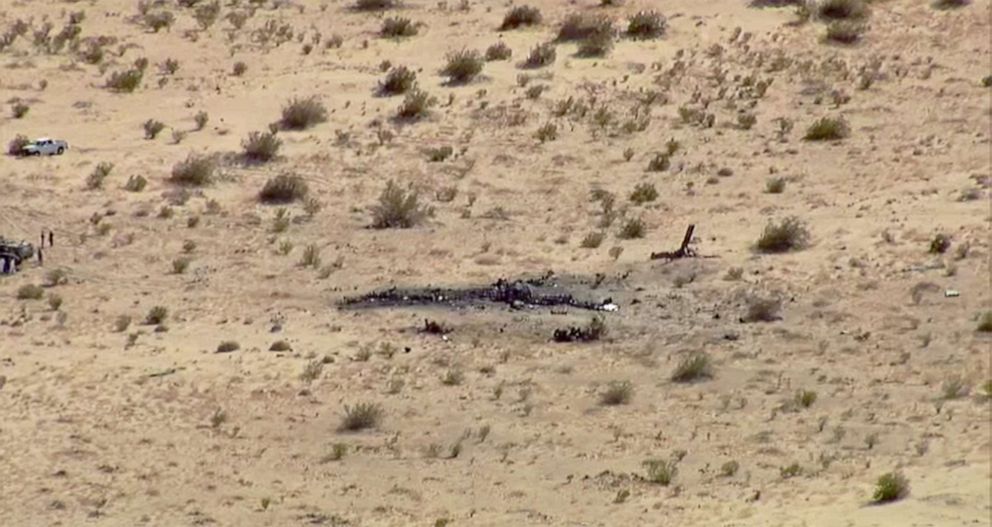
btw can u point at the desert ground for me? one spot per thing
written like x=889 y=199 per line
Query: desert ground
x=185 y=353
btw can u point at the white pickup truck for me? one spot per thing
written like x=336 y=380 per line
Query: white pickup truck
x=45 y=146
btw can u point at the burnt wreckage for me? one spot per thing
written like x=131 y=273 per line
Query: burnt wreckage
x=13 y=255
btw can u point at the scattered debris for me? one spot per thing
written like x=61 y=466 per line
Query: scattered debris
x=594 y=330
x=684 y=251
x=435 y=328
x=518 y=294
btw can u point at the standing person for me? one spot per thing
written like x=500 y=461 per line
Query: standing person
x=41 y=257
x=42 y=238
x=51 y=238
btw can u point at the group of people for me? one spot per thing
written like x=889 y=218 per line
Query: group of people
x=12 y=256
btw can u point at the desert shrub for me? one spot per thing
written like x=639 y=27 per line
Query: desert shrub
x=179 y=265
x=660 y=162
x=141 y=63
x=632 y=228
x=399 y=80
x=827 y=129
x=152 y=128
x=592 y=240
x=729 y=468
x=660 y=471
x=542 y=55
x=416 y=105
x=16 y=145
x=521 y=16
x=99 y=174
x=54 y=301
x=56 y=277
x=125 y=81
x=159 y=20
x=201 y=119
x=30 y=292
x=617 y=393
x=396 y=27
x=195 y=170
x=19 y=109
x=844 y=31
x=939 y=244
x=135 y=183
x=805 y=398
x=452 y=378
x=579 y=26
x=762 y=309
x=178 y=136
x=985 y=322
x=280 y=345
x=890 y=487
x=462 y=66
x=841 y=9
x=311 y=256
x=746 y=121
x=775 y=185
x=598 y=44
x=261 y=147
x=156 y=315
x=228 y=346
x=375 y=5
x=206 y=14
x=436 y=155
x=498 y=51
x=239 y=69
x=788 y=235
x=170 y=66
x=92 y=53
x=300 y=113
x=950 y=4
x=547 y=132
x=694 y=367
x=397 y=208
x=646 y=25
x=643 y=193
x=283 y=188
x=361 y=416
x=954 y=388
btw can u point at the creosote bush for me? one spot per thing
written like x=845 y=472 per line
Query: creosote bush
x=397 y=27
x=547 y=132
x=30 y=292
x=159 y=20
x=542 y=55
x=775 y=185
x=617 y=393
x=597 y=45
x=841 y=9
x=521 y=16
x=261 y=147
x=890 y=487
x=152 y=128
x=646 y=25
x=195 y=170
x=16 y=145
x=125 y=81
x=201 y=119
x=179 y=265
x=398 y=81
x=361 y=416
x=302 y=113
x=643 y=193
x=498 y=51
x=99 y=174
x=939 y=244
x=762 y=309
x=239 y=69
x=462 y=66
x=827 y=129
x=156 y=315
x=415 y=106
x=397 y=208
x=985 y=322
x=660 y=471
x=694 y=367
x=19 y=109
x=791 y=234
x=844 y=31
x=375 y=5
x=580 y=26
x=632 y=228
x=135 y=183
x=284 y=188
x=228 y=346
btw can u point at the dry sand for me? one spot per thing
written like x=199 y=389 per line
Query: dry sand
x=151 y=426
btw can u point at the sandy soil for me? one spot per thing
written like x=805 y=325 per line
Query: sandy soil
x=493 y=423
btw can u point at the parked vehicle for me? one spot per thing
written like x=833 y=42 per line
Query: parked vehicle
x=45 y=146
